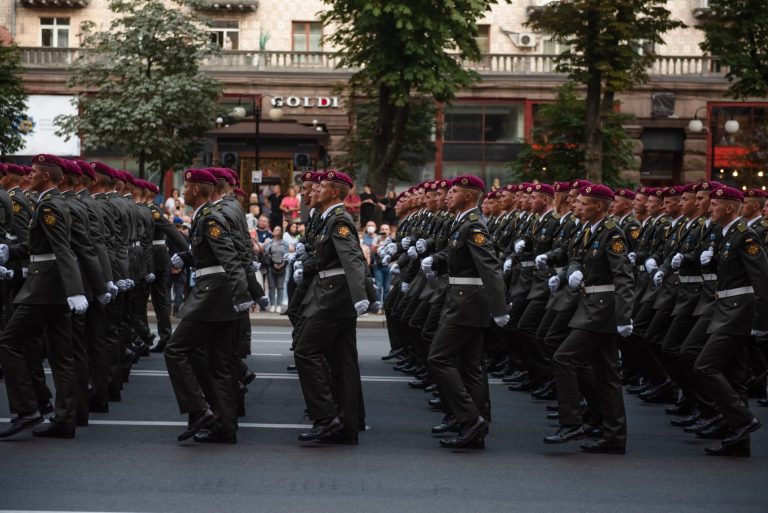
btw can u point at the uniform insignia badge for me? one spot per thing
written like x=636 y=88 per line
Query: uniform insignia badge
x=343 y=231
x=617 y=246
x=49 y=219
x=753 y=249
x=156 y=215
x=635 y=234
x=16 y=208
x=479 y=239
x=214 y=232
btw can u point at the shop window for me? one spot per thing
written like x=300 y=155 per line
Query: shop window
x=225 y=34
x=54 y=32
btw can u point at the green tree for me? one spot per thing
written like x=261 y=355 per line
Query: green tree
x=403 y=48
x=418 y=147
x=557 y=152
x=736 y=33
x=143 y=91
x=13 y=102
x=609 y=50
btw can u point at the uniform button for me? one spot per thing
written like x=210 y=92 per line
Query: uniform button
x=461 y=293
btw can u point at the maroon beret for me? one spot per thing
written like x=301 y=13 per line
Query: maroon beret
x=306 y=176
x=659 y=192
x=49 y=160
x=222 y=174
x=470 y=182
x=562 y=186
x=16 y=169
x=3 y=168
x=338 y=177
x=317 y=177
x=239 y=193
x=674 y=191
x=756 y=193
x=597 y=191
x=199 y=176
x=512 y=187
x=578 y=184
x=86 y=168
x=728 y=193
x=646 y=191
x=544 y=188
x=708 y=186
x=625 y=193
x=104 y=169
x=689 y=188
x=232 y=172
x=444 y=183
x=71 y=168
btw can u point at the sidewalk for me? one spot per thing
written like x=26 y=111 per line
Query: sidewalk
x=274 y=319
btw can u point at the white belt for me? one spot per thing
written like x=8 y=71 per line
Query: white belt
x=722 y=294
x=42 y=258
x=691 y=279
x=136 y=244
x=558 y=270
x=208 y=270
x=709 y=277
x=596 y=289
x=455 y=280
x=11 y=237
x=529 y=263
x=331 y=272
x=158 y=243
x=640 y=268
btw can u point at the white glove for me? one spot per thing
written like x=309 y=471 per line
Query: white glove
x=677 y=261
x=391 y=248
x=405 y=243
x=362 y=306
x=177 y=261
x=658 y=278
x=395 y=269
x=263 y=302
x=553 y=284
x=519 y=246
x=9 y=274
x=507 y=267
x=298 y=265
x=150 y=277
x=243 y=307
x=413 y=253
x=426 y=264
x=375 y=307
x=112 y=289
x=130 y=283
x=78 y=304
x=104 y=298
x=298 y=275
x=541 y=261
x=255 y=265
x=632 y=257
x=300 y=248
x=706 y=256
x=289 y=257
x=405 y=287
x=651 y=266
x=421 y=246
x=625 y=331
x=122 y=285
x=501 y=320
x=575 y=279
x=5 y=253
x=386 y=259
x=758 y=333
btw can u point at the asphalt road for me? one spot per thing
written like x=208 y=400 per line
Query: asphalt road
x=129 y=460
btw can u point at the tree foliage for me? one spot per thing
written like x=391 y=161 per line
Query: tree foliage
x=14 y=123
x=558 y=149
x=608 y=49
x=143 y=91
x=403 y=48
x=737 y=34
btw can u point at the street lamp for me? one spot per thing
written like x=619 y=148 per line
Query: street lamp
x=275 y=114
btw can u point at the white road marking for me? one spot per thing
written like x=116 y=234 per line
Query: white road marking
x=257 y=425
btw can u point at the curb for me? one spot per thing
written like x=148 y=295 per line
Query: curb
x=367 y=321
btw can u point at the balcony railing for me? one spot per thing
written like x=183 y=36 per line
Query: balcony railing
x=490 y=65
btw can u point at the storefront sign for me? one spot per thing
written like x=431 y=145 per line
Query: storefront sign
x=307 y=102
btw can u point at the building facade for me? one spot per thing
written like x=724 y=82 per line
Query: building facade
x=274 y=56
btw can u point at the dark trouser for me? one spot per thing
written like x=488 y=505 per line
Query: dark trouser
x=601 y=351
x=114 y=348
x=643 y=353
x=723 y=353
x=139 y=302
x=243 y=335
x=27 y=323
x=98 y=356
x=689 y=352
x=432 y=321
x=162 y=305
x=456 y=362
x=34 y=353
x=670 y=353
x=200 y=357
x=326 y=361
x=80 y=352
x=528 y=325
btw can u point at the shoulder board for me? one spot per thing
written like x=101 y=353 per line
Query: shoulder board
x=12 y=194
x=473 y=216
x=556 y=216
x=701 y=221
x=206 y=211
x=764 y=223
x=741 y=227
x=338 y=210
x=610 y=224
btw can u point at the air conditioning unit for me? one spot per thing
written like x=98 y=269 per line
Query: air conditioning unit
x=301 y=161
x=526 y=40
x=230 y=159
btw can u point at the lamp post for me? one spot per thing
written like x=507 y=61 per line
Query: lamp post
x=275 y=114
x=696 y=126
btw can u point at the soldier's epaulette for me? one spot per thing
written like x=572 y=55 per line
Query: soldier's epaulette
x=12 y=194
x=610 y=224
x=206 y=211
x=473 y=216
x=556 y=216
x=741 y=227
x=701 y=221
x=764 y=223
x=338 y=210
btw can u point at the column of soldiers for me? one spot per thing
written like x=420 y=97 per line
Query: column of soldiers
x=569 y=291
x=84 y=248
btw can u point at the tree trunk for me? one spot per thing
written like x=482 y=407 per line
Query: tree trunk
x=387 y=141
x=593 y=150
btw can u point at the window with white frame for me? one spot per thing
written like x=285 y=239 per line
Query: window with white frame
x=225 y=34
x=54 y=32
